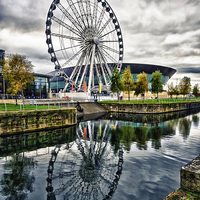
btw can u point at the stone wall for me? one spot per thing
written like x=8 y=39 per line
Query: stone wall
x=190 y=176
x=149 y=108
x=15 y=122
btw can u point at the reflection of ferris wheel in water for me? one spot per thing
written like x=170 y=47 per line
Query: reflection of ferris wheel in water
x=86 y=169
x=84 y=34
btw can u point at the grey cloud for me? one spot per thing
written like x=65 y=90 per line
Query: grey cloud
x=15 y=19
x=190 y=70
x=187 y=68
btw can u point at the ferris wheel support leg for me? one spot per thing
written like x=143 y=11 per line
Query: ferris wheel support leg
x=91 y=69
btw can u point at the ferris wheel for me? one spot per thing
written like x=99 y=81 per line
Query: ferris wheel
x=85 y=37
x=87 y=168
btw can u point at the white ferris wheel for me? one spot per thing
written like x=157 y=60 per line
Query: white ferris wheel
x=85 y=37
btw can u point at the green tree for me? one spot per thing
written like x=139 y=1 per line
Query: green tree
x=195 y=90
x=142 y=84
x=116 y=82
x=128 y=81
x=170 y=90
x=185 y=86
x=18 y=73
x=176 y=91
x=156 y=82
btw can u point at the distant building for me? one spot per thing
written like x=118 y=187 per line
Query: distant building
x=58 y=83
x=38 y=89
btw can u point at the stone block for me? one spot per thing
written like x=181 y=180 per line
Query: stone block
x=190 y=176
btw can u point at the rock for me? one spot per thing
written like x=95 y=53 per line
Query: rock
x=190 y=176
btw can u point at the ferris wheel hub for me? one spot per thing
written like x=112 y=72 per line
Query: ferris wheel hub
x=96 y=40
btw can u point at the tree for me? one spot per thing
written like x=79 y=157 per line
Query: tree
x=18 y=73
x=176 y=91
x=185 y=86
x=142 y=84
x=128 y=81
x=170 y=91
x=156 y=82
x=116 y=82
x=195 y=90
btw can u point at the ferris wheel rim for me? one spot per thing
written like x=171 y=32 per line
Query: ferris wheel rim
x=100 y=44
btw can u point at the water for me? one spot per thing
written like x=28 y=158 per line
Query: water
x=139 y=158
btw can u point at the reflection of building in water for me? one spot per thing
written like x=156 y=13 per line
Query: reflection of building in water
x=89 y=167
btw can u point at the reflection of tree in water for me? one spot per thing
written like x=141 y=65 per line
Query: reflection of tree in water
x=127 y=134
x=184 y=127
x=195 y=119
x=141 y=134
x=156 y=135
x=171 y=126
x=17 y=180
x=87 y=169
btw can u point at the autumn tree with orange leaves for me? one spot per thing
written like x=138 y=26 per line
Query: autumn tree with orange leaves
x=18 y=72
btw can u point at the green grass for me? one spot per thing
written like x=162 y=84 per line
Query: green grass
x=13 y=107
x=153 y=101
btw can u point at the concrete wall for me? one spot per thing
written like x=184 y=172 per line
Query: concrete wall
x=149 y=108
x=15 y=122
x=12 y=101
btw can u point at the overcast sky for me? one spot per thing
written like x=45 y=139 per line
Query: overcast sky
x=163 y=32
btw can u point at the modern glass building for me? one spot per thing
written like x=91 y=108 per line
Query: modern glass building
x=39 y=89
x=58 y=83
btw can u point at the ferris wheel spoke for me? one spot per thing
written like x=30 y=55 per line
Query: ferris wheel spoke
x=76 y=13
x=68 y=15
x=107 y=33
x=100 y=18
x=71 y=47
x=95 y=12
x=66 y=37
x=102 y=70
x=91 y=67
x=104 y=59
x=60 y=22
x=89 y=16
x=110 y=49
x=97 y=71
x=109 y=57
x=73 y=73
x=109 y=41
x=80 y=68
x=104 y=26
x=73 y=57
x=84 y=72
x=83 y=13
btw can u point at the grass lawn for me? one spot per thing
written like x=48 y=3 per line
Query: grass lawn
x=153 y=101
x=13 y=107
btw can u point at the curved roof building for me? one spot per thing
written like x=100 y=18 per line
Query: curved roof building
x=57 y=83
